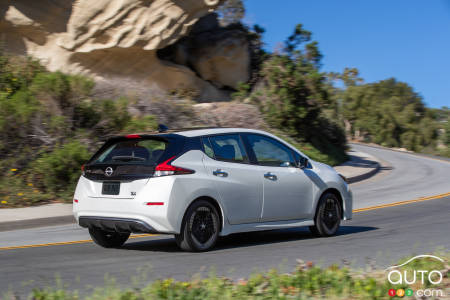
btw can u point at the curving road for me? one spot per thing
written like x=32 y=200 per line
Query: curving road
x=403 y=176
x=383 y=234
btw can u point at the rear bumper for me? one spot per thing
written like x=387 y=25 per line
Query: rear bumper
x=129 y=214
x=116 y=224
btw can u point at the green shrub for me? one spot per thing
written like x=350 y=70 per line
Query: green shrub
x=16 y=190
x=17 y=72
x=115 y=116
x=58 y=171
x=142 y=124
x=16 y=113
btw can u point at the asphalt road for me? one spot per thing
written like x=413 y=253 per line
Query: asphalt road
x=383 y=235
x=402 y=177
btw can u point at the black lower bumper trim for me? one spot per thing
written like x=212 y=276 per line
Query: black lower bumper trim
x=116 y=224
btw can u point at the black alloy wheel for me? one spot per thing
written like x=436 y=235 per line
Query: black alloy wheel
x=200 y=228
x=328 y=216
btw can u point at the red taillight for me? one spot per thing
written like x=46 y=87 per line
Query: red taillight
x=154 y=203
x=165 y=169
x=75 y=200
x=133 y=136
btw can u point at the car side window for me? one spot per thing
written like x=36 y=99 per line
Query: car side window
x=228 y=148
x=208 y=148
x=269 y=152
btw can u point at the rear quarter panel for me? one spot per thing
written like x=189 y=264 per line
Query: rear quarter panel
x=188 y=188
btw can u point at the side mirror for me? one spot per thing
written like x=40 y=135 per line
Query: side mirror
x=303 y=163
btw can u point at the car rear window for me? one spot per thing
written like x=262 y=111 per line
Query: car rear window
x=141 y=151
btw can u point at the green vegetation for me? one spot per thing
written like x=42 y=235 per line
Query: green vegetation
x=305 y=282
x=49 y=126
x=293 y=97
x=391 y=114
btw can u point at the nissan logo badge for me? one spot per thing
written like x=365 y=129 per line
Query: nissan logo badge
x=108 y=171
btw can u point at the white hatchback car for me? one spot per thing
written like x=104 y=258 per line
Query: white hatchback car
x=204 y=183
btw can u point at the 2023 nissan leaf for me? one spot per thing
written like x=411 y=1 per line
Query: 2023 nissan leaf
x=205 y=183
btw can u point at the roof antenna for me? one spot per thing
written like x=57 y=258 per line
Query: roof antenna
x=162 y=128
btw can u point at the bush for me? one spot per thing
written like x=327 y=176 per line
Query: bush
x=58 y=171
x=16 y=190
x=51 y=118
x=142 y=124
x=16 y=113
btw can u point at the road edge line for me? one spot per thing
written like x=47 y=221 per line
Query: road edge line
x=421 y=199
x=68 y=242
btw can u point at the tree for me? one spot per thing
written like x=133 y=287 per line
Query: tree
x=292 y=94
x=389 y=113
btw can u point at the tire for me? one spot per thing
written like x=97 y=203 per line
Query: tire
x=328 y=216
x=200 y=227
x=108 y=239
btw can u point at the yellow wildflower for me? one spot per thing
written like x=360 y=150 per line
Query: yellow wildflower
x=30 y=184
x=35 y=191
x=19 y=194
x=4 y=202
x=13 y=170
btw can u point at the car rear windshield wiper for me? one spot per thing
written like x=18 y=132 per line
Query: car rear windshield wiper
x=128 y=158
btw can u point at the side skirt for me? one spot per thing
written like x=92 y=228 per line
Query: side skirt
x=229 y=229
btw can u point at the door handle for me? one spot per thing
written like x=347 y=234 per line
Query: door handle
x=220 y=173
x=270 y=176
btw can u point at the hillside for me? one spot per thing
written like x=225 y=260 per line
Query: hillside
x=51 y=123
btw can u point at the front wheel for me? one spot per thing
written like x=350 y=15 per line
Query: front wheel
x=200 y=227
x=108 y=239
x=328 y=216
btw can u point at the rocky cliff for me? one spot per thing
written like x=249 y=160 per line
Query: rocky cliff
x=158 y=44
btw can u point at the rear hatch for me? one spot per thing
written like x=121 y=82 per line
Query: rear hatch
x=123 y=165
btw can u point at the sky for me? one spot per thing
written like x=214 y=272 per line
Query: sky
x=405 y=39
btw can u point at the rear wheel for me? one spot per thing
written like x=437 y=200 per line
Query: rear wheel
x=328 y=216
x=200 y=227
x=108 y=239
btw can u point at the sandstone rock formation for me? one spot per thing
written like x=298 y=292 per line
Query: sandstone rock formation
x=118 y=40
x=218 y=55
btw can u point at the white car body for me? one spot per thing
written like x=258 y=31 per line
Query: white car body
x=247 y=199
